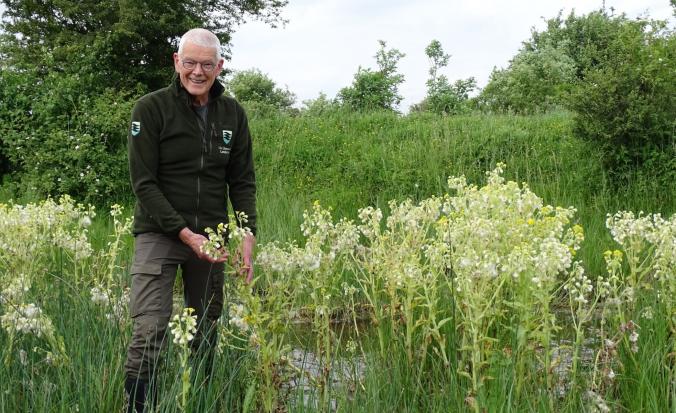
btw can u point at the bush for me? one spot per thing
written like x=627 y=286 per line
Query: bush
x=59 y=140
x=539 y=77
x=322 y=105
x=535 y=82
x=256 y=87
x=626 y=104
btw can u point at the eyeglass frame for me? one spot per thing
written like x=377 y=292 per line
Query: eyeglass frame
x=194 y=64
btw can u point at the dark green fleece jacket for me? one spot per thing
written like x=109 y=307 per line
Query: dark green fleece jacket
x=184 y=170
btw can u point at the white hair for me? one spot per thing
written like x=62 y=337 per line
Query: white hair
x=200 y=37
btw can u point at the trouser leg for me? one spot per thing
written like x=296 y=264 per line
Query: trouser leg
x=203 y=291
x=154 y=268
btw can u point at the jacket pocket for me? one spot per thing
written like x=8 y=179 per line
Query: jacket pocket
x=149 y=268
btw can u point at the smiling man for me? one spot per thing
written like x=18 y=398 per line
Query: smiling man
x=189 y=153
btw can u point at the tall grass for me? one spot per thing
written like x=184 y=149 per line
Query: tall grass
x=348 y=161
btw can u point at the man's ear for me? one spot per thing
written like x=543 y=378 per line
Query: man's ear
x=176 y=62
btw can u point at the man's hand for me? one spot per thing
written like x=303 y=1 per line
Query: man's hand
x=195 y=242
x=244 y=262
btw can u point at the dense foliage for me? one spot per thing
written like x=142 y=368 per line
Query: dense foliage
x=550 y=62
x=254 y=88
x=626 y=104
x=71 y=71
x=375 y=89
x=116 y=42
x=61 y=139
x=615 y=73
x=536 y=81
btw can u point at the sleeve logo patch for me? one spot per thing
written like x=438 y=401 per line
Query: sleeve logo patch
x=227 y=136
x=135 y=128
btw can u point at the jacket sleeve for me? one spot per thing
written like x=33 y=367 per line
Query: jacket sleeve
x=143 y=146
x=241 y=176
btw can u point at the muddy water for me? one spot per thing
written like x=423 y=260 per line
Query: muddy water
x=348 y=366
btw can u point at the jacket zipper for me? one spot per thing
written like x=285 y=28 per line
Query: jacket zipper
x=197 y=211
x=199 y=174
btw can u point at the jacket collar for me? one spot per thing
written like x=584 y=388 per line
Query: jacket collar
x=216 y=90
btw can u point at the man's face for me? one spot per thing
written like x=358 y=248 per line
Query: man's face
x=190 y=67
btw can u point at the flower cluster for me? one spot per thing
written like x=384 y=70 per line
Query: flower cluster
x=238 y=317
x=29 y=230
x=26 y=319
x=640 y=234
x=503 y=229
x=106 y=298
x=15 y=290
x=184 y=326
x=579 y=286
x=214 y=246
x=235 y=230
x=324 y=243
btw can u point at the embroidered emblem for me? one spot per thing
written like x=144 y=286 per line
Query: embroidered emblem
x=227 y=136
x=135 y=128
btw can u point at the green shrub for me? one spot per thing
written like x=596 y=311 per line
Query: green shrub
x=256 y=87
x=547 y=66
x=534 y=82
x=59 y=140
x=322 y=105
x=626 y=104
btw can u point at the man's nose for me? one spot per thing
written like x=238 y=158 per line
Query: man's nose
x=198 y=69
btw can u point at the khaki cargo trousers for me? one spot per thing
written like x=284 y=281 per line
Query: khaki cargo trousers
x=153 y=271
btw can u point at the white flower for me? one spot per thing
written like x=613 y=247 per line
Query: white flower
x=26 y=319
x=85 y=221
x=23 y=357
x=183 y=327
x=633 y=337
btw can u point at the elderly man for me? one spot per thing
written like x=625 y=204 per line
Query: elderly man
x=189 y=152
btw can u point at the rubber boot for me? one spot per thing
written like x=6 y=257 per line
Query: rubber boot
x=139 y=394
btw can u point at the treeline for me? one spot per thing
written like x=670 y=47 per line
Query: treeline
x=616 y=75
x=71 y=71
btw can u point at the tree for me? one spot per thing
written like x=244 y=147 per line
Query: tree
x=547 y=66
x=71 y=71
x=375 y=89
x=626 y=103
x=535 y=81
x=254 y=86
x=116 y=42
x=442 y=96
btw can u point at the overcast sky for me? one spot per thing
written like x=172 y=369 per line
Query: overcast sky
x=325 y=41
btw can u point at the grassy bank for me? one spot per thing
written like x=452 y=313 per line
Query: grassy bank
x=349 y=161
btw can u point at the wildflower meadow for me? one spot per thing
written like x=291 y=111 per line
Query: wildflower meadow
x=471 y=300
x=509 y=248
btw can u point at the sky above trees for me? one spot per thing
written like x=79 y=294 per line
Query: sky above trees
x=324 y=42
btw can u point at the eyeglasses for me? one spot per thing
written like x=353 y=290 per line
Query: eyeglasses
x=190 y=65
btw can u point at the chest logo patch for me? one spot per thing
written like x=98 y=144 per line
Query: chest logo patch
x=227 y=136
x=135 y=128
